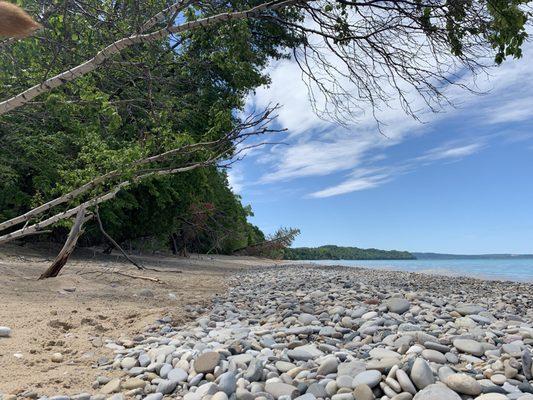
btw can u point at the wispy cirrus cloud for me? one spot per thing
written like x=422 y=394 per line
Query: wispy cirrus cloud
x=317 y=148
x=369 y=178
x=450 y=151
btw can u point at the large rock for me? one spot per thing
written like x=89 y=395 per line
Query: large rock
x=463 y=383
x=397 y=305
x=421 y=374
x=278 y=389
x=305 y=353
x=363 y=392
x=467 y=309
x=436 y=392
x=370 y=378
x=207 y=362
x=469 y=346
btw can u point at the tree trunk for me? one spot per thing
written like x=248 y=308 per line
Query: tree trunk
x=75 y=232
x=174 y=244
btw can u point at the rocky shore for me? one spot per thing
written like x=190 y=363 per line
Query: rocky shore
x=334 y=333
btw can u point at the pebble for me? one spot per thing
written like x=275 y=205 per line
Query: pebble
x=370 y=378
x=363 y=392
x=207 y=362
x=5 y=331
x=397 y=305
x=111 y=387
x=278 y=389
x=469 y=346
x=57 y=357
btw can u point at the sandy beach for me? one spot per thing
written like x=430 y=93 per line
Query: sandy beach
x=89 y=303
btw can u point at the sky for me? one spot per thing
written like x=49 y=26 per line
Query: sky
x=460 y=181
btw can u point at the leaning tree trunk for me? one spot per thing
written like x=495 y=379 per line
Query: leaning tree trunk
x=75 y=232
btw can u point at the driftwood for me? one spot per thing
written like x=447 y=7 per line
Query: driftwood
x=70 y=244
x=146 y=278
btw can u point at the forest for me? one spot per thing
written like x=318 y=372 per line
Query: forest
x=331 y=252
x=150 y=100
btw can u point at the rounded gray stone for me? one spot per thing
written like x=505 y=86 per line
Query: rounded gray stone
x=463 y=383
x=370 y=378
x=469 y=346
x=421 y=374
x=436 y=392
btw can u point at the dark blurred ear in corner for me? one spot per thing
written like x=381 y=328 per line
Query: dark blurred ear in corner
x=15 y=22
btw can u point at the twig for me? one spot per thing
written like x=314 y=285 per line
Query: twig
x=113 y=242
x=146 y=278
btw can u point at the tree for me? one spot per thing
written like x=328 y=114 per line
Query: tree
x=423 y=45
x=274 y=246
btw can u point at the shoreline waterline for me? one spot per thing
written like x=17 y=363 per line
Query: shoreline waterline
x=515 y=270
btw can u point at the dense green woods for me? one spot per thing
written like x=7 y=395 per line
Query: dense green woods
x=151 y=99
x=330 y=252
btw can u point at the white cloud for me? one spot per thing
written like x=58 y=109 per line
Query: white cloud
x=351 y=185
x=513 y=111
x=316 y=157
x=451 y=152
x=369 y=178
x=319 y=148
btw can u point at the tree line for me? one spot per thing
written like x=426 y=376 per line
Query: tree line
x=332 y=252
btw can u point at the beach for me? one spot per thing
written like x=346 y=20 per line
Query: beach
x=255 y=329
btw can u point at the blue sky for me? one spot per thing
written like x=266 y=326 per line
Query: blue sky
x=460 y=182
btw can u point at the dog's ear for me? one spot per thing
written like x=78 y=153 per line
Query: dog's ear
x=15 y=22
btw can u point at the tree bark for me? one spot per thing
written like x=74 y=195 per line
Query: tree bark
x=174 y=244
x=70 y=244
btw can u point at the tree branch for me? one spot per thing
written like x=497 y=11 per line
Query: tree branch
x=121 y=44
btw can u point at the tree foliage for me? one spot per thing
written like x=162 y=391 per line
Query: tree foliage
x=331 y=252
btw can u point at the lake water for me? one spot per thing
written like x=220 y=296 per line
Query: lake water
x=506 y=269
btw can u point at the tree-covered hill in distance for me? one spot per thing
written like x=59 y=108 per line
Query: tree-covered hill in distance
x=332 y=252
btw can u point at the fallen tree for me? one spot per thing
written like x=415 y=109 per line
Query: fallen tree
x=222 y=152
